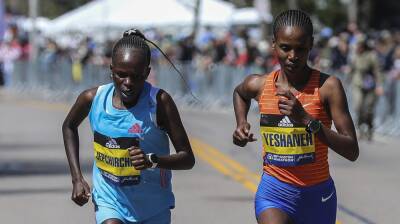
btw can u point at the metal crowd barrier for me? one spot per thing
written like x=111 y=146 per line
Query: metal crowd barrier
x=56 y=80
x=61 y=80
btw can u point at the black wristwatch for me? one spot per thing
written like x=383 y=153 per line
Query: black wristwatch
x=153 y=158
x=313 y=126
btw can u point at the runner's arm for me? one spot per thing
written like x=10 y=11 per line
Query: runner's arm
x=344 y=141
x=169 y=119
x=249 y=89
x=76 y=115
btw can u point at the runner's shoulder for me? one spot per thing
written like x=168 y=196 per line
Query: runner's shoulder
x=329 y=81
x=255 y=78
x=87 y=95
x=163 y=98
x=251 y=87
x=254 y=81
x=329 y=84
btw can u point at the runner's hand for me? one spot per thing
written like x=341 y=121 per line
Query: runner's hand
x=242 y=135
x=80 y=192
x=289 y=105
x=139 y=158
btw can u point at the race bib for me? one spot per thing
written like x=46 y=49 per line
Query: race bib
x=285 y=142
x=112 y=158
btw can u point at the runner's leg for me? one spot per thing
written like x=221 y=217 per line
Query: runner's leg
x=274 y=216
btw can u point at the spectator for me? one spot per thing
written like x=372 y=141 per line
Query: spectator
x=367 y=83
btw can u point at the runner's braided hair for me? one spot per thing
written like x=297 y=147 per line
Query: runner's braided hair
x=293 y=17
x=135 y=39
x=132 y=38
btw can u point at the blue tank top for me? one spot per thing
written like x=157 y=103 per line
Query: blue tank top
x=136 y=195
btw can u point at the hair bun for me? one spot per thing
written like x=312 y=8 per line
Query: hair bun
x=134 y=32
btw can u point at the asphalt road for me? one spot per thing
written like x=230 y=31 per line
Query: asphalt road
x=35 y=185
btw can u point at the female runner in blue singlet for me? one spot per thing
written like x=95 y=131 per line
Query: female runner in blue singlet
x=131 y=121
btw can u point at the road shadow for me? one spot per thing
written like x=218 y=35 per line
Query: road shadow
x=10 y=192
x=28 y=146
x=28 y=168
x=353 y=214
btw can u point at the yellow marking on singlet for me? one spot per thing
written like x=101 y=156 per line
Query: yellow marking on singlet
x=287 y=141
x=114 y=161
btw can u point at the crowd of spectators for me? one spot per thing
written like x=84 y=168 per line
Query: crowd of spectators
x=243 y=47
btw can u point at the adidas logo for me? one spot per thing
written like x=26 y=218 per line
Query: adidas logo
x=136 y=128
x=112 y=144
x=285 y=122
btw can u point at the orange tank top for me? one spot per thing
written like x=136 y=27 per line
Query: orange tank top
x=290 y=153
